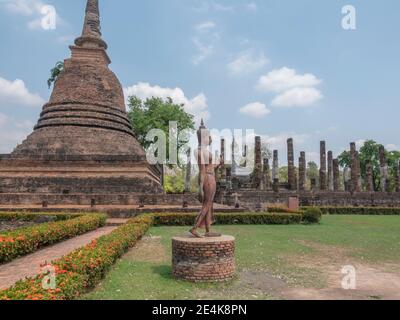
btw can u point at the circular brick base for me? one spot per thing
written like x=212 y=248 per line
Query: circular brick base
x=203 y=260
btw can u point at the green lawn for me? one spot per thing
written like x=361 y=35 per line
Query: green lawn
x=145 y=272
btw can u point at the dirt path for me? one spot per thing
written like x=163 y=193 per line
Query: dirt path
x=372 y=281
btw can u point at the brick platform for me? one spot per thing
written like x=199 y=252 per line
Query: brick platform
x=203 y=260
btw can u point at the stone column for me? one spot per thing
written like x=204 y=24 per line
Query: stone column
x=322 y=170
x=398 y=177
x=267 y=174
x=188 y=171
x=291 y=167
x=245 y=155
x=369 y=178
x=275 y=171
x=233 y=168
x=384 y=170
x=223 y=154
x=336 y=175
x=302 y=171
x=355 y=169
x=257 y=174
x=347 y=179
x=330 y=171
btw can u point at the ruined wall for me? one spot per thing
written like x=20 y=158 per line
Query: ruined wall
x=250 y=199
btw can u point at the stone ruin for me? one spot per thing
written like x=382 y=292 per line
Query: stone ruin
x=331 y=189
x=82 y=149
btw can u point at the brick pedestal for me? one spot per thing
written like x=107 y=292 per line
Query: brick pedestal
x=203 y=260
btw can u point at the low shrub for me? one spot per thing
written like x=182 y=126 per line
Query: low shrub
x=30 y=216
x=69 y=286
x=312 y=216
x=373 y=211
x=187 y=219
x=27 y=240
x=85 y=267
x=280 y=209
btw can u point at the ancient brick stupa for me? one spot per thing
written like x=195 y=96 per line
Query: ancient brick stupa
x=83 y=142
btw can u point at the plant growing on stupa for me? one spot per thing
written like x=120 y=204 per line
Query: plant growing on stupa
x=55 y=72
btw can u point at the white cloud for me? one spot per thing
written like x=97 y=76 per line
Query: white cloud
x=360 y=143
x=292 y=89
x=33 y=9
x=24 y=7
x=391 y=147
x=247 y=62
x=203 y=51
x=3 y=119
x=12 y=132
x=216 y=6
x=251 y=6
x=283 y=79
x=15 y=93
x=255 y=110
x=297 y=97
x=197 y=106
x=205 y=26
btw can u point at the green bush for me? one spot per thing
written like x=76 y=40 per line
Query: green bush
x=373 y=211
x=30 y=216
x=187 y=219
x=312 y=215
x=27 y=240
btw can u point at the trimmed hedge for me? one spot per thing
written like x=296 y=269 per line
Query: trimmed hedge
x=312 y=215
x=187 y=219
x=29 y=216
x=373 y=211
x=27 y=240
x=83 y=268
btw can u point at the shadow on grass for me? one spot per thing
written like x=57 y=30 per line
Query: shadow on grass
x=164 y=271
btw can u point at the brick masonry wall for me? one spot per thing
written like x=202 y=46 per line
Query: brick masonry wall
x=249 y=199
x=203 y=260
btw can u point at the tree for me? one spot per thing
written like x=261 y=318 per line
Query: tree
x=369 y=152
x=157 y=113
x=312 y=171
x=55 y=72
x=283 y=173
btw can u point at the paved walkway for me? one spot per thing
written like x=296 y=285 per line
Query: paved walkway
x=29 y=266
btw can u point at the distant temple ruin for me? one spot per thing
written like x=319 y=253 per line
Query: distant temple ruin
x=331 y=189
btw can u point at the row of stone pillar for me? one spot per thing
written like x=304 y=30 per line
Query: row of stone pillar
x=329 y=173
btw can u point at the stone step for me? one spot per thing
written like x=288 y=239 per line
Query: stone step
x=116 y=222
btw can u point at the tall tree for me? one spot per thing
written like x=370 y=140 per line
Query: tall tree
x=157 y=113
x=370 y=152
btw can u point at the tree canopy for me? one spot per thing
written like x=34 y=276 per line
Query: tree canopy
x=157 y=113
x=370 y=152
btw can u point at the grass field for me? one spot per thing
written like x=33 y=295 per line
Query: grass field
x=274 y=262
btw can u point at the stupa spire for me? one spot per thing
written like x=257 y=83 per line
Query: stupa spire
x=91 y=33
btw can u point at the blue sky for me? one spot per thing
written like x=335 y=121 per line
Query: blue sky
x=283 y=68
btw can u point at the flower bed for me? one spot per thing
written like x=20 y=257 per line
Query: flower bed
x=83 y=268
x=27 y=240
